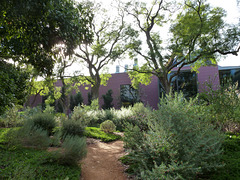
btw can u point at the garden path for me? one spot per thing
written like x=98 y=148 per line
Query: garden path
x=102 y=162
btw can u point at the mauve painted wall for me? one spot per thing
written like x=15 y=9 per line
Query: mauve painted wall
x=149 y=94
x=206 y=74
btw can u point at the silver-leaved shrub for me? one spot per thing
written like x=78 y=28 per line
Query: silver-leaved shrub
x=180 y=144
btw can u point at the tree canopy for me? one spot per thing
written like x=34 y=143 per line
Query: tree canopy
x=108 y=46
x=197 y=35
x=31 y=29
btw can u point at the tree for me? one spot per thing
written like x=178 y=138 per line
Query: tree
x=108 y=45
x=198 y=34
x=34 y=31
x=14 y=85
x=31 y=29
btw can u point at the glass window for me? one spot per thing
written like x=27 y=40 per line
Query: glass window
x=229 y=76
x=128 y=94
x=186 y=82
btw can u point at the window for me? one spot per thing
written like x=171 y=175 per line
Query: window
x=128 y=94
x=229 y=76
x=186 y=82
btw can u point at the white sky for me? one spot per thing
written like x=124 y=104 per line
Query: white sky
x=233 y=15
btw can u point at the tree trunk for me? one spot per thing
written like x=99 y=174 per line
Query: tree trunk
x=95 y=90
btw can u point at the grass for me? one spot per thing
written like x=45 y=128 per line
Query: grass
x=93 y=132
x=25 y=163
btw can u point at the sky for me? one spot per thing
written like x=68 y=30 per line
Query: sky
x=233 y=16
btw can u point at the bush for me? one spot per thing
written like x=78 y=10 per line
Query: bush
x=180 y=143
x=74 y=150
x=80 y=115
x=76 y=100
x=223 y=104
x=11 y=118
x=107 y=99
x=139 y=116
x=71 y=127
x=108 y=126
x=44 y=121
x=36 y=137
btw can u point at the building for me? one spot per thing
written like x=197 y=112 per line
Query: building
x=190 y=83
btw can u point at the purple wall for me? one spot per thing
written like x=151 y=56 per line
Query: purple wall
x=149 y=94
x=208 y=75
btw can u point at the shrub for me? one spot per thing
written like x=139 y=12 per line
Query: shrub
x=133 y=136
x=44 y=121
x=107 y=99
x=224 y=104
x=36 y=137
x=76 y=100
x=74 y=150
x=11 y=118
x=139 y=116
x=80 y=115
x=180 y=143
x=71 y=127
x=108 y=126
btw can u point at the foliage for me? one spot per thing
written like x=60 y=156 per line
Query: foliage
x=11 y=118
x=40 y=26
x=79 y=114
x=36 y=137
x=44 y=121
x=197 y=35
x=180 y=142
x=108 y=45
x=93 y=106
x=33 y=164
x=13 y=87
x=108 y=126
x=231 y=158
x=93 y=132
x=76 y=100
x=223 y=104
x=71 y=127
x=74 y=150
x=139 y=116
x=133 y=136
x=107 y=99
x=49 y=109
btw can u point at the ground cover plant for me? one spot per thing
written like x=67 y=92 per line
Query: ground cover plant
x=29 y=163
x=93 y=132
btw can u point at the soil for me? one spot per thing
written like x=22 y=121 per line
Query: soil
x=102 y=161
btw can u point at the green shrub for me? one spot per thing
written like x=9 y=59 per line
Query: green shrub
x=107 y=99
x=93 y=132
x=11 y=118
x=76 y=100
x=80 y=115
x=180 y=143
x=108 y=126
x=139 y=116
x=133 y=136
x=71 y=127
x=44 y=121
x=223 y=104
x=74 y=150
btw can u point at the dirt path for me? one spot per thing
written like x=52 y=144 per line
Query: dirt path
x=102 y=162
